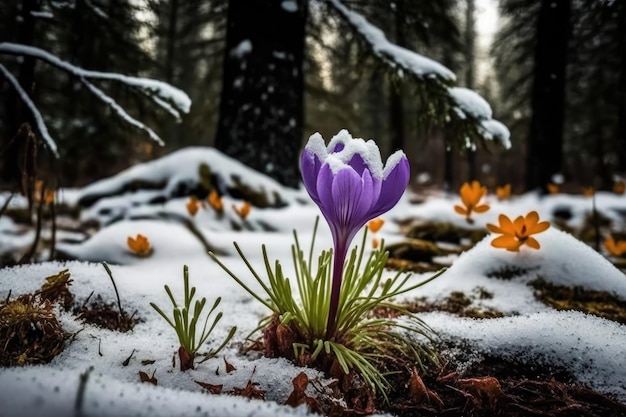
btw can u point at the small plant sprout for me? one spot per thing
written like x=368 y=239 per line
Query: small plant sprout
x=242 y=211
x=471 y=195
x=517 y=232
x=331 y=322
x=185 y=322
x=139 y=245
x=503 y=192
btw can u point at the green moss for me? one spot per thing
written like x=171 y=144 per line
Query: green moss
x=598 y=303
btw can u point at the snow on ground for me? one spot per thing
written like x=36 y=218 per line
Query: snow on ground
x=588 y=346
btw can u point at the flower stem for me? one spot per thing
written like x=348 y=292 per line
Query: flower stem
x=338 y=262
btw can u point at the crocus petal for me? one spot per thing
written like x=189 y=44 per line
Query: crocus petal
x=506 y=225
x=466 y=194
x=532 y=242
x=347 y=189
x=493 y=228
x=538 y=228
x=532 y=219
x=518 y=224
x=310 y=166
x=324 y=192
x=460 y=210
x=482 y=208
x=506 y=242
x=393 y=185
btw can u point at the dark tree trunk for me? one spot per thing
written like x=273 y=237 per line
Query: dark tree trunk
x=469 y=76
x=545 y=140
x=396 y=104
x=261 y=109
x=17 y=112
x=172 y=33
x=621 y=106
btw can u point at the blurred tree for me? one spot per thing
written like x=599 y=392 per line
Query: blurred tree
x=589 y=144
x=261 y=103
x=261 y=107
x=188 y=47
x=18 y=24
x=70 y=102
x=545 y=138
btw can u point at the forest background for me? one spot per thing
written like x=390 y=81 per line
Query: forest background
x=555 y=75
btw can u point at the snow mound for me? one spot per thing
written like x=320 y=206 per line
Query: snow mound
x=590 y=348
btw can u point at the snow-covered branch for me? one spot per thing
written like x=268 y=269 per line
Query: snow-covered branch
x=392 y=54
x=159 y=91
x=119 y=110
x=461 y=107
x=41 y=126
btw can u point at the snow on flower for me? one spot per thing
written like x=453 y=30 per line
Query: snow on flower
x=348 y=182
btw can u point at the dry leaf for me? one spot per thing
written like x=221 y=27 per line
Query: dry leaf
x=229 y=367
x=150 y=379
x=213 y=389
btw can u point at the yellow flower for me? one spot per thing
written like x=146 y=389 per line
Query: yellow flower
x=518 y=232
x=588 y=191
x=615 y=248
x=243 y=211
x=216 y=201
x=375 y=224
x=553 y=188
x=193 y=205
x=619 y=187
x=140 y=245
x=471 y=194
x=503 y=192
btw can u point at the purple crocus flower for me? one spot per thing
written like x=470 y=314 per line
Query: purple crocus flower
x=348 y=182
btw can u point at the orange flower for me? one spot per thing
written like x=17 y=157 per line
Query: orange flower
x=216 y=201
x=193 y=205
x=588 y=191
x=48 y=193
x=619 y=187
x=243 y=211
x=518 y=232
x=471 y=196
x=375 y=225
x=140 y=245
x=553 y=188
x=503 y=192
x=615 y=248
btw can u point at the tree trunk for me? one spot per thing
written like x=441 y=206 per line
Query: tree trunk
x=172 y=33
x=469 y=76
x=17 y=112
x=396 y=104
x=621 y=94
x=545 y=140
x=261 y=108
